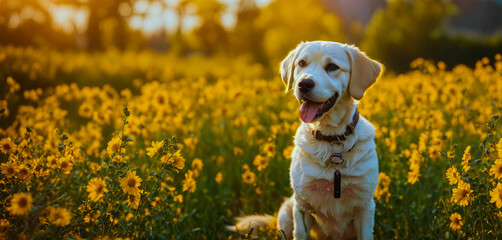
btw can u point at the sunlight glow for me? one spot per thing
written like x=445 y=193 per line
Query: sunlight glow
x=154 y=16
x=68 y=18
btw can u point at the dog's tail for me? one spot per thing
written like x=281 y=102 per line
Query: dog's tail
x=244 y=224
x=283 y=222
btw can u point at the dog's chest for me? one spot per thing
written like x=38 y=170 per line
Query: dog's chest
x=314 y=187
x=311 y=180
x=334 y=216
x=319 y=194
x=324 y=189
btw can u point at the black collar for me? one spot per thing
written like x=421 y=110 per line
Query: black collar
x=349 y=129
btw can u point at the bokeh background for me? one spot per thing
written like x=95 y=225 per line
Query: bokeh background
x=74 y=163
x=394 y=31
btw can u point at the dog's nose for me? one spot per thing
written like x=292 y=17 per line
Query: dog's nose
x=305 y=85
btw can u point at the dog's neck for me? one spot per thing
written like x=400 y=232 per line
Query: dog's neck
x=335 y=121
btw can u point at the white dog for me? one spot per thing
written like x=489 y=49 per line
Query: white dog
x=334 y=168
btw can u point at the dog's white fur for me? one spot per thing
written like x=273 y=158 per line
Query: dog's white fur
x=312 y=210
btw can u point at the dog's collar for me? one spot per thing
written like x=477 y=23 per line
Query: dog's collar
x=349 y=129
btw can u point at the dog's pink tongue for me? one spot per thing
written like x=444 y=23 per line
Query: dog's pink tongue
x=308 y=110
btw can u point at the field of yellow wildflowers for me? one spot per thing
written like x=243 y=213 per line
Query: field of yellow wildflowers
x=140 y=145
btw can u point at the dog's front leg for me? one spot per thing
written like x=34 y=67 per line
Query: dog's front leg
x=302 y=221
x=364 y=222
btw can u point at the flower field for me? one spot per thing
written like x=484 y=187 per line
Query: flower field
x=140 y=145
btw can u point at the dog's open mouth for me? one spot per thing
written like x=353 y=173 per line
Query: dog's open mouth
x=310 y=110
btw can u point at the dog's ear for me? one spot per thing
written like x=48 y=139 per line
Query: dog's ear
x=363 y=73
x=288 y=67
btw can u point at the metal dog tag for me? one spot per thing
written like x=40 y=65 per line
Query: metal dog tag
x=337 y=184
x=337 y=181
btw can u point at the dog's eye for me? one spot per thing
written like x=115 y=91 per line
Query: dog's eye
x=331 y=67
x=302 y=63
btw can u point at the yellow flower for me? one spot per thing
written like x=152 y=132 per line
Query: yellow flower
x=9 y=169
x=248 y=177
x=95 y=167
x=23 y=172
x=133 y=201
x=462 y=194
x=452 y=175
x=4 y=227
x=272 y=224
x=269 y=149
x=92 y=217
x=466 y=158
x=219 y=178
x=112 y=219
x=383 y=179
x=414 y=173
x=456 y=222
x=422 y=142
x=119 y=158
x=287 y=151
x=114 y=146
x=499 y=148
x=156 y=146
x=128 y=217
x=156 y=202
x=189 y=184
x=382 y=190
x=14 y=86
x=261 y=162
x=85 y=110
x=4 y=108
x=435 y=144
x=191 y=142
x=20 y=204
x=238 y=151
x=496 y=169
x=245 y=168
x=66 y=164
x=7 y=146
x=178 y=198
x=96 y=188
x=382 y=193
x=130 y=183
x=21 y=236
x=59 y=216
x=496 y=195
x=52 y=162
x=176 y=159
x=197 y=164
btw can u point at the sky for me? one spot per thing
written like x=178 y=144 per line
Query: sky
x=155 y=19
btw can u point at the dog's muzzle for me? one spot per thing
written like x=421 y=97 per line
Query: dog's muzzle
x=310 y=110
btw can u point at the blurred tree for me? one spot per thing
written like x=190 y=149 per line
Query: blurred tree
x=402 y=31
x=178 y=44
x=246 y=37
x=288 y=22
x=13 y=12
x=354 y=14
x=29 y=23
x=106 y=22
x=211 y=35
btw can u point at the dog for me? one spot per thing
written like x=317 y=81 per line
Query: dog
x=334 y=167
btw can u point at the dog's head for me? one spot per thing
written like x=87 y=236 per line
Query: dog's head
x=322 y=73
